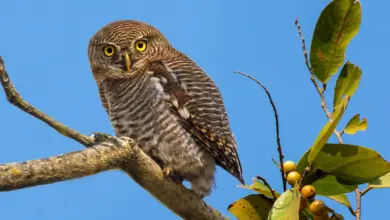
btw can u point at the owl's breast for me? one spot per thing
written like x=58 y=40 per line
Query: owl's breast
x=138 y=109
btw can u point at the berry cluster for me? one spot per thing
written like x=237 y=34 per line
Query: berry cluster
x=308 y=192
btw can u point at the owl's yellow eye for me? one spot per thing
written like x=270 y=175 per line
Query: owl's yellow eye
x=109 y=51
x=140 y=45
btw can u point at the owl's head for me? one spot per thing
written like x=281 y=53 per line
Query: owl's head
x=123 y=48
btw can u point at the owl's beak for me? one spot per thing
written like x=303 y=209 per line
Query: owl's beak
x=127 y=62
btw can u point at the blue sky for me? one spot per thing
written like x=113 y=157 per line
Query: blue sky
x=44 y=44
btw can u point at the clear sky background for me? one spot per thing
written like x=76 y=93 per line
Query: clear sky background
x=44 y=44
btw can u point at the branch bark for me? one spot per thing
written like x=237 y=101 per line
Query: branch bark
x=111 y=153
x=104 y=156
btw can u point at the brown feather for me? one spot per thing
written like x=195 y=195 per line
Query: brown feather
x=224 y=151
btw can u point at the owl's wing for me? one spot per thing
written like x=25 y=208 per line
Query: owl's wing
x=199 y=107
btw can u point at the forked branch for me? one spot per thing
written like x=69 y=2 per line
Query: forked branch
x=112 y=153
x=15 y=99
x=326 y=110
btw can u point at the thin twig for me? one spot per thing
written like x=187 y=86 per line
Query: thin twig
x=307 y=171
x=358 y=204
x=366 y=190
x=323 y=103
x=351 y=211
x=15 y=99
x=279 y=147
x=276 y=163
x=312 y=77
x=267 y=184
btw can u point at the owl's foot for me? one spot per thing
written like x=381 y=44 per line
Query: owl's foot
x=169 y=173
x=100 y=137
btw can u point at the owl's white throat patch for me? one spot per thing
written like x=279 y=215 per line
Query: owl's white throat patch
x=157 y=85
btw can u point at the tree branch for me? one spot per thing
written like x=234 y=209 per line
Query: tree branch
x=323 y=104
x=112 y=153
x=102 y=157
x=358 y=204
x=15 y=99
x=366 y=190
x=279 y=147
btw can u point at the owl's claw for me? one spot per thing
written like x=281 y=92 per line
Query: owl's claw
x=167 y=171
x=100 y=137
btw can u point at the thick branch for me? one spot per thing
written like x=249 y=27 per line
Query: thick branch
x=125 y=156
x=73 y=165
x=115 y=153
x=174 y=196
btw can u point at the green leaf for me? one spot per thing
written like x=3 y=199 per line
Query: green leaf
x=260 y=188
x=354 y=125
x=381 y=182
x=343 y=167
x=351 y=164
x=327 y=130
x=329 y=186
x=286 y=206
x=342 y=199
x=252 y=207
x=302 y=163
x=347 y=83
x=337 y=25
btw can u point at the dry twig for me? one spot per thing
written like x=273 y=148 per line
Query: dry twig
x=324 y=107
x=366 y=190
x=279 y=147
x=15 y=99
x=269 y=186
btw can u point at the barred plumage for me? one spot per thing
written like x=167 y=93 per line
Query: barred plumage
x=167 y=103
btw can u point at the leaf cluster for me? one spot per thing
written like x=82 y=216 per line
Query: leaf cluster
x=334 y=169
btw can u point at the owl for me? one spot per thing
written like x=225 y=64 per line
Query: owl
x=163 y=100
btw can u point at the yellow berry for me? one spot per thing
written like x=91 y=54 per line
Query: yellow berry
x=293 y=177
x=308 y=192
x=318 y=208
x=289 y=166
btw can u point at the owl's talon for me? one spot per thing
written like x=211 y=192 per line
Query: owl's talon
x=100 y=137
x=167 y=171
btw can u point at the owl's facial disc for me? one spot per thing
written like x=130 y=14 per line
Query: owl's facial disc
x=123 y=48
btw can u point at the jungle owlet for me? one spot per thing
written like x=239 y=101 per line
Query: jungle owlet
x=159 y=97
